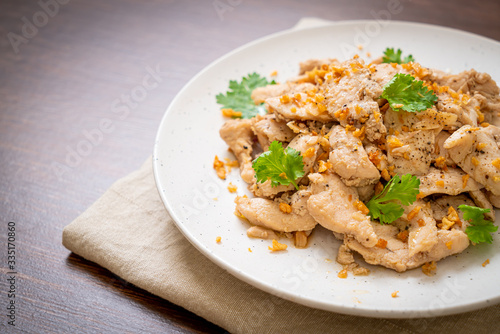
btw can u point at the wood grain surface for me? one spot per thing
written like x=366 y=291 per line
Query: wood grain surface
x=64 y=68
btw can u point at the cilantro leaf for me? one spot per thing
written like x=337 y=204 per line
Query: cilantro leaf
x=407 y=59
x=391 y=56
x=479 y=229
x=387 y=206
x=279 y=165
x=406 y=93
x=238 y=97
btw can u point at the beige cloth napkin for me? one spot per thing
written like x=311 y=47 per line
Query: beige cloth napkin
x=129 y=232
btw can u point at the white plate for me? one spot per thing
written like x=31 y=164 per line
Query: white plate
x=202 y=207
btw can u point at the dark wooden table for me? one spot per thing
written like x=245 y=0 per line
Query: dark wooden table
x=63 y=66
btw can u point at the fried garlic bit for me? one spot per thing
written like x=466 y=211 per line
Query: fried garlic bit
x=277 y=246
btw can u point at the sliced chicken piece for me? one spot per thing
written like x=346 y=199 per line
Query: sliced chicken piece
x=267 y=213
x=453 y=181
x=476 y=151
x=482 y=201
x=351 y=96
x=437 y=75
x=374 y=126
x=308 y=146
x=396 y=254
x=494 y=200
x=411 y=152
x=365 y=193
x=489 y=106
x=261 y=233
x=238 y=135
x=393 y=256
x=440 y=207
x=298 y=202
x=350 y=160
x=385 y=72
x=362 y=114
x=408 y=149
x=482 y=89
x=449 y=242
x=376 y=156
x=351 y=82
x=440 y=152
x=471 y=81
x=332 y=205
x=298 y=107
x=398 y=120
x=423 y=231
x=311 y=64
x=268 y=129
x=461 y=105
x=261 y=94
x=432 y=119
x=267 y=190
x=429 y=119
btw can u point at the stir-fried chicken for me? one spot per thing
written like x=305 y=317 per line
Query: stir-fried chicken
x=352 y=142
x=396 y=254
x=441 y=157
x=297 y=107
x=441 y=208
x=351 y=96
x=267 y=213
x=268 y=129
x=411 y=145
x=471 y=82
x=494 y=200
x=452 y=181
x=333 y=205
x=261 y=94
x=411 y=152
x=422 y=228
x=238 y=135
x=350 y=159
x=311 y=64
x=482 y=201
x=476 y=151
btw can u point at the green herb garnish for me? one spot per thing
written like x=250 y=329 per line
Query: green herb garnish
x=239 y=96
x=391 y=56
x=479 y=229
x=281 y=166
x=406 y=93
x=387 y=206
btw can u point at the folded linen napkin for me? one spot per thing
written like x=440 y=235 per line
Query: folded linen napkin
x=129 y=232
